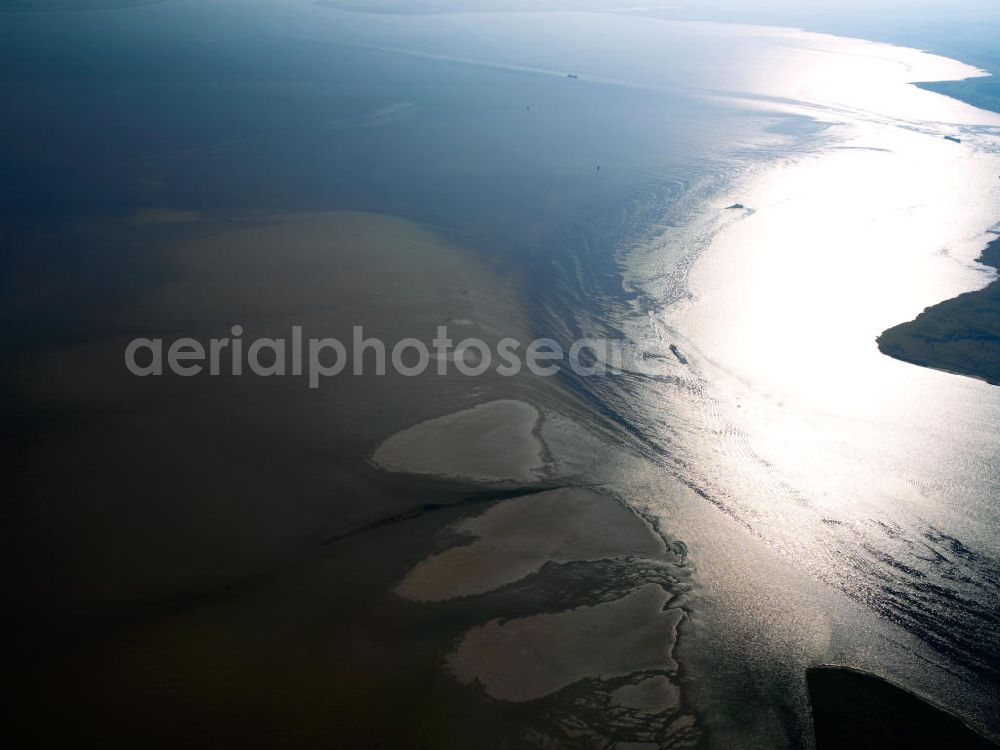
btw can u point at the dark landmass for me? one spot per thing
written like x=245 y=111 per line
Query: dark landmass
x=960 y=335
x=973 y=45
x=855 y=711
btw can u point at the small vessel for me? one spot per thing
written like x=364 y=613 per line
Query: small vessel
x=572 y=75
x=736 y=205
x=953 y=138
x=677 y=353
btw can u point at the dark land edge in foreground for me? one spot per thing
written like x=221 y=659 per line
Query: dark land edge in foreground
x=960 y=335
x=854 y=710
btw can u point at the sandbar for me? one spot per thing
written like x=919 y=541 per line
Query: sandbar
x=515 y=538
x=530 y=657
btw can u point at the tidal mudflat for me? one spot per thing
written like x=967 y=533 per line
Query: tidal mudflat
x=517 y=537
x=530 y=657
x=370 y=475
x=325 y=272
x=646 y=560
x=590 y=600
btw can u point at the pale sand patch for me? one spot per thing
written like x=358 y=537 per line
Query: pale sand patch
x=653 y=695
x=491 y=442
x=517 y=537
x=530 y=657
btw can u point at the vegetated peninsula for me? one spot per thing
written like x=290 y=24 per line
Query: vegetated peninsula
x=960 y=335
x=982 y=92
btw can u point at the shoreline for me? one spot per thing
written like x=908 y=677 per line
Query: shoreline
x=963 y=329
x=976 y=91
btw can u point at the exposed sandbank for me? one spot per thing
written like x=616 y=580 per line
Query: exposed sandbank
x=526 y=658
x=491 y=442
x=652 y=695
x=517 y=537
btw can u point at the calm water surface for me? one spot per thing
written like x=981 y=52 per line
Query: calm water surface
x=838 y=504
